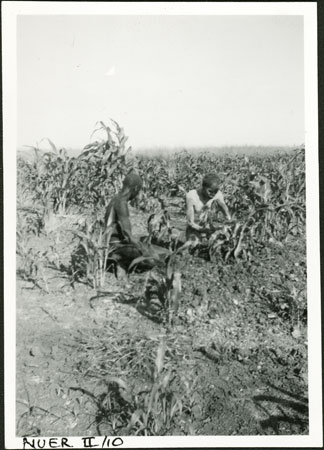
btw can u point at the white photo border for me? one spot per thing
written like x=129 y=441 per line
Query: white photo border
x=10 y=11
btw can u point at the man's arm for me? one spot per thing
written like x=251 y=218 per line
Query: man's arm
x=221 y=202
x=191 y=214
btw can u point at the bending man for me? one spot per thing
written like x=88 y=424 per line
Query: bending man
x=200 y=200
x=126 y=247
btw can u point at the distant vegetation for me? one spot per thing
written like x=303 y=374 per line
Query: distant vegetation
x=223 y=150
x=166 y=152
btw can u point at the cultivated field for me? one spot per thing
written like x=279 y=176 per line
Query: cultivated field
x=211 y=342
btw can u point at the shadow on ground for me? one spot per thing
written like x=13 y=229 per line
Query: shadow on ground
x=292 y=410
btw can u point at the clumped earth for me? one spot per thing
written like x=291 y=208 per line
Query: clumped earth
x=234 y=362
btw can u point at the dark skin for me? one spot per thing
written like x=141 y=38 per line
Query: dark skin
x=127 y=248
x=121 y=220
x=205 y=194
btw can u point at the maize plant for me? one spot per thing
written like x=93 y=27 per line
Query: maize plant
x=30 y=220
x=31 y=263
x=263 y=225
x=60 y=182
x=265 y=194
x=155 y=176
x=163 y=286
x=32 y=180
x=89 y=180
x=93 y=253
x=227 y=242
x=103 y=165
x=152 y=411
x=264 y=205
x=29 y=266
x=158 y=181
x=158 y=406
x=159 y=229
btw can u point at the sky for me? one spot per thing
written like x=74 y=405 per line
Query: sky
x=169 y=81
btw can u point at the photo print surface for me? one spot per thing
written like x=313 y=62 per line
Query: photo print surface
x=163 y=273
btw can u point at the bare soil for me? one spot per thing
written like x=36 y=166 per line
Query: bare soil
x=246 y=361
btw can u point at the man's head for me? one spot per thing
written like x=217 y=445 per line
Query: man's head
x=210 y=185
x=133 y=184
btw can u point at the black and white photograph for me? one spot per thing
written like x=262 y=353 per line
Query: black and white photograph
x=162 y=272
